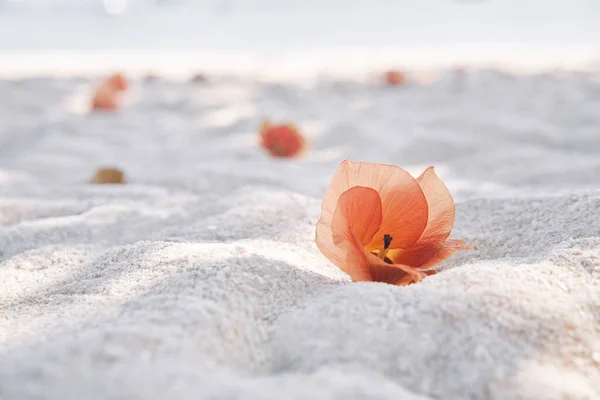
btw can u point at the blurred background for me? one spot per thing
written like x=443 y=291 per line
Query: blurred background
x=487 y=87
x=515 y=33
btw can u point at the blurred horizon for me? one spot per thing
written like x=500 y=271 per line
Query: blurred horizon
x=279 y=25
x=251 y=35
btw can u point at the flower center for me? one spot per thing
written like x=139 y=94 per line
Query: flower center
x=387 y=241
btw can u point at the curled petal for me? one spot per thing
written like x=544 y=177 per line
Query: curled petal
x=324 y=241
x=395 y=274
x=356 y=219
x=439 y=224
x=409 y=280
x=357 y=263
x=425 y=257
x=440 y=206
x=415 y=256
x=358 y=211
x=404 y=207
x=450 y=247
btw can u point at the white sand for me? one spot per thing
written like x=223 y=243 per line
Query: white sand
x=200 y=279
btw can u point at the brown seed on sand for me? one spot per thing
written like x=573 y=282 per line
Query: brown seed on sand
x=109 y=176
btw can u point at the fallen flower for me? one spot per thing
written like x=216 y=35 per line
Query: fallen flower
x=395 y=78
x=107 y=94
x=281 y=140
x=109 y=176
x=380 y=224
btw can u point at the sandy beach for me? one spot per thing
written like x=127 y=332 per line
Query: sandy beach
x=200 y=278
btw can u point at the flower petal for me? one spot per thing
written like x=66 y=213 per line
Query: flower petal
x=324 y=241
x=357 y=263
x=439 y=225
x=409 y=280
x=395 y=274
x=450 y=247
x=404 y=207
x=358 y=213
x=441 y=208
x=425 y=257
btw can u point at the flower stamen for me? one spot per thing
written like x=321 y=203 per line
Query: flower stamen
x=387 y=241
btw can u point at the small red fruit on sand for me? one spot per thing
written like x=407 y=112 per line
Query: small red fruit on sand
x=395 y=78
x=281 y=140
x=107 y=94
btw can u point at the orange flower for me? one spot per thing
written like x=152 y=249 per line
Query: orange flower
x=106 y=96
x=380 y=224
x=395 y=78
x=281 y=140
